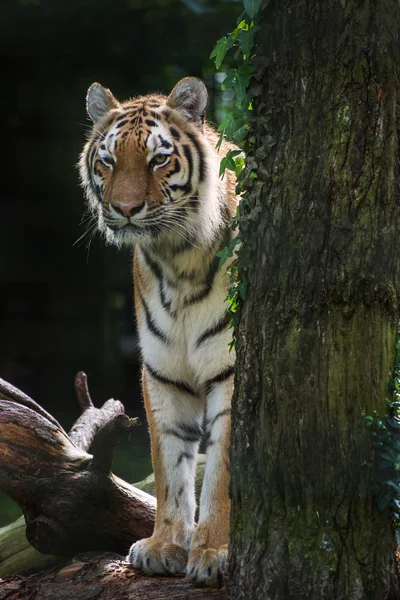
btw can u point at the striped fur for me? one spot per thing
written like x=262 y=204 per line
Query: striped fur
x=150 y=171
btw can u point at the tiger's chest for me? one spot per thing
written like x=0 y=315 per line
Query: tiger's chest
x=182 y=320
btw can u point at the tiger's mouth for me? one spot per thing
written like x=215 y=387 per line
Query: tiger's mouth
x=130 y=232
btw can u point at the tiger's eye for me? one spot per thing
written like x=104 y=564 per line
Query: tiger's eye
x=160 y=159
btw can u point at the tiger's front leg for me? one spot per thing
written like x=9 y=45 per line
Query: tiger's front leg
x=175 y=416
x=208 y=548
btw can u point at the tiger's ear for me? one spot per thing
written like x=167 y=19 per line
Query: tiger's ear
x=99 y=101
x=190 y=98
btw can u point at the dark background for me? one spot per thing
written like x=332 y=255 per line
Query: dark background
x=65 y=307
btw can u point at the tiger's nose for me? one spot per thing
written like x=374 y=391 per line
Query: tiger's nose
x=127 y=210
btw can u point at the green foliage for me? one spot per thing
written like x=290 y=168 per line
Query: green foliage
x=252 y=7
x=235 y=127
x=385 y=438
x=221 y=48
x=233 y=160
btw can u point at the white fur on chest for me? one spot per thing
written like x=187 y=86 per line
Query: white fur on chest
x=183 y=354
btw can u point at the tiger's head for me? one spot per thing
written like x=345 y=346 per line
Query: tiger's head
x=146 y=165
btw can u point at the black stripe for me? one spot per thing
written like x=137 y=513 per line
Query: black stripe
x=184 y=245
x=182 y=456
x=194 y=202
x=178 y=384
x=154 y=266
x=157 y=272
x=176 y=169
x=89 y=159
x=186 y=432
x=182 y=436
x=200 y=152
x=219 y=327
x=188 y=154
x=98 y=190
x=150 y=123
x=151 y=325
x=207 y=442
x=175 y=133
x=222 y=413
x=220 y=377
x=168 y=193
x=208 y=283
x=121 y=123
x=193 y=430
x=166 y=304
x=164 y=143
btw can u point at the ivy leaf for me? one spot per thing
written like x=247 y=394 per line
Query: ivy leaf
x=241 y=81
x=223 y=256
x=239 y=134
x=228 y=161
x=229 y=79
x=226 y=253
x=221 y=48
x=383 y=502
x=252 y=7
x=246 y=39
x=228 y=125
x=242 y=289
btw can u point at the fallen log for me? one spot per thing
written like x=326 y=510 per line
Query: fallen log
x=103 y=578
x=18 y=557
x=70 y=499
x=72 y=503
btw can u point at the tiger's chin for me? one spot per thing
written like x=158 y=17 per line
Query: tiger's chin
x=129 y=235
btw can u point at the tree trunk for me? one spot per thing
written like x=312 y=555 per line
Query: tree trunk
x=316 y=336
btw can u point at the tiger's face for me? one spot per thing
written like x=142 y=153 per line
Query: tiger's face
x=145 y=162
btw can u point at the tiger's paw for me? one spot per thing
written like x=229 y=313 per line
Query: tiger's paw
x=206 y=566
x=154 y=556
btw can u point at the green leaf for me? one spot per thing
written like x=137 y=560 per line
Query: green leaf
x=229 y=79
x=246 y=39
x=228 y=125
x=241 y=81
x=223 y=256
x=383 y=502
x=242 y=289
x=228 y=162
x=221 y=48
x=240 y=133
x=252 y=7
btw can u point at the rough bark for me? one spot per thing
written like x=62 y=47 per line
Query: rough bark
x=315 y=341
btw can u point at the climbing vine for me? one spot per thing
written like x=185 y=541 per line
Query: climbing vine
x=385 y=437
x=235 y=127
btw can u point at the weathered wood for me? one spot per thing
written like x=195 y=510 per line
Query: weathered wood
x=103 y=578
x=17 y=557
x=92 y=418
x=63 y=489
x=70 y=500
x=72 y=503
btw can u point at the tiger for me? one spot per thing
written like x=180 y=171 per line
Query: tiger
x=150 y=170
